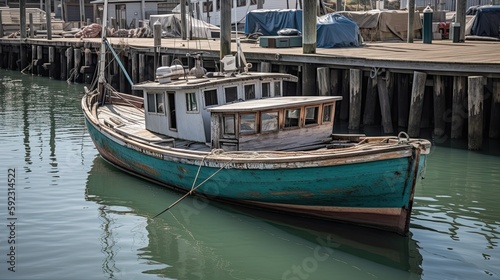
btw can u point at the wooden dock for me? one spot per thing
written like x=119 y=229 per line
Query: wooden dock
x=453 y=88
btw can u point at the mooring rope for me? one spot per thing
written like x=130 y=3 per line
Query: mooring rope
x=193 y=187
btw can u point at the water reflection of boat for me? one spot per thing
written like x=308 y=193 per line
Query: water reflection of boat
x=201 y=234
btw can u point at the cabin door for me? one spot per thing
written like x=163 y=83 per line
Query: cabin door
x=171 y=110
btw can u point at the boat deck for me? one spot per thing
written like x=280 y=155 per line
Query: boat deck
x=130 y=122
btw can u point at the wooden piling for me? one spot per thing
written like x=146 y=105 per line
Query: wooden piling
x=142 y=63
x=355 y=86
x=62 y=64
x=135 y=67
x=165 y=60
x=344 y=105
x=265 y=67
x=52 y=59
x=69 y=63
x=33 y=60
x=439 y=106
x=32 y=26
x=78 y=62
x=495 y=110
x=385 y=104
x=475 y=101
x=403 y=89
x=459 y=114
x=323 y=81
x=39 y=57
x=416 y=103
x=309 y=79
x=370 y=101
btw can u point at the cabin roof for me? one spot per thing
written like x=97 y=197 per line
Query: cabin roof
x=274 y=103
x=205 y=82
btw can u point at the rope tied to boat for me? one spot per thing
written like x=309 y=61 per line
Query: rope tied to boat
x=193 y=187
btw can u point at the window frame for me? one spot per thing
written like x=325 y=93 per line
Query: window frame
x=155 y=104
x=286 y=117
x=212 y=90
x=225 y=93
x=316 y=117
x=261 y=128
x=255 y=123
x=189 y=107
x=245 y=91
x=332 y=110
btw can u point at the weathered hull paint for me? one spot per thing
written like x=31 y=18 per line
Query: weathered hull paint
x=370 y=190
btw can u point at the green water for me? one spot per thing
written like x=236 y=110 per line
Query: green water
x=77 y=217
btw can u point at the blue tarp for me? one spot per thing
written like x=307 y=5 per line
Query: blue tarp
x=269 y=22
x=333 y=30
x=486 y=22
x=336 y=31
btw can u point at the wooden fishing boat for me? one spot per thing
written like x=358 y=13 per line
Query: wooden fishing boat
x=237 y=137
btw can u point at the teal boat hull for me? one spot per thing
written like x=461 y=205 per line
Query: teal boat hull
x=376 y=193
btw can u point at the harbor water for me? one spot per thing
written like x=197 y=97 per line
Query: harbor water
x=65 y=213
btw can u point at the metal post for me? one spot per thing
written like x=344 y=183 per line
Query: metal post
x=427 y=25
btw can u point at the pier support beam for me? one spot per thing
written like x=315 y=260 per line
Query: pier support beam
x=385 y=104
x=355 y=86
x=309 y=79
x=323 y=80
x=142 y=65
x=265 y=67
x=52 y=61
x=63 y=65
x=69 y=64
x=344 y=89
x=165 y=60
x=403 y=89
x=77 y=53
x=475 y=101
x=39 y=58
x=495 y=110
x=459 y=113
x=439 y=106
x=370 y=101
x=417 y=102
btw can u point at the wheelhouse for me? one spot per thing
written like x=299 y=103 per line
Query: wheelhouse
x=280 y=123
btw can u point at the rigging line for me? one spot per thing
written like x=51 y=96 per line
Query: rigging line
x=193 y=189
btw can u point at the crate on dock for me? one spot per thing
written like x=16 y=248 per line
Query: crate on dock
x=280 y=41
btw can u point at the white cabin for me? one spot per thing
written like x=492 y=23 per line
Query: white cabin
x=179 y=109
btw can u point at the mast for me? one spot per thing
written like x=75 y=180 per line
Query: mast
x=102 y=52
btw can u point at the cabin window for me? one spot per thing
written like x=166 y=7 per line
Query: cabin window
x=327 y=113
x=277 y=89
x=269 y=121
x=292 y=118
x=156 y=103
x=231 y=94
x=210 y=97
x=241 y=3
x=266 y=88
x=249 y=92
x=191 y=105
x=207 y=6
x=247 y=123
x=311 y=115
x=229 y=124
